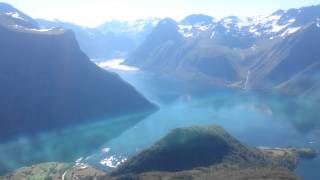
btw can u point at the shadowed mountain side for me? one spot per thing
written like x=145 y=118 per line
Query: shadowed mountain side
x=202 y=146
x=254 y=53
x=166 y=51
x=290 y=57
x=47 y=82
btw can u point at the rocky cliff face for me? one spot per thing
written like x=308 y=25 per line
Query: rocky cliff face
x=48 y=82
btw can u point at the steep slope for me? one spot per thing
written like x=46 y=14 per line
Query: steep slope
x=249 y=53
x=167 y=50
x=164 y=40
x=306 y=83
x=48 y=82
x=288 y=58
x=17 y=16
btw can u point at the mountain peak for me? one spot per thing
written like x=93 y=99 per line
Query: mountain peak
x=6 y=8
x=278 y=12
x=168 y=21
x=197 y=19
x=18 y=16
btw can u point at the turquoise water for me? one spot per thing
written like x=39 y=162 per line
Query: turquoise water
x=255 y=119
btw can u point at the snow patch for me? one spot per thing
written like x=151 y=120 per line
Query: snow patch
x=117 y=65
x=203 y=28
x=292 y=20
x=33 y=29
x=40 y=30
x=318 y=22
x=254 y=31
x=186 y=31
x=290 y=31
x=244 y=22
x=212 y=35
x=265 y=21
x=277 y=28
x=15 y=15
x=184 y=27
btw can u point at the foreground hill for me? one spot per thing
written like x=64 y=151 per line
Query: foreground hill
x=200 y=152
x=48 y=82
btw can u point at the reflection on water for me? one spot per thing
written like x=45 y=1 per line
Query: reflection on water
x=255 y=119
x=65 y=145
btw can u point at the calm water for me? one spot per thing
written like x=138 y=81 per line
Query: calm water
x=254 y=119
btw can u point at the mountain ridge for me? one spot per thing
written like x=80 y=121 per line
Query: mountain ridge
x=233 y=52
x=51 y=83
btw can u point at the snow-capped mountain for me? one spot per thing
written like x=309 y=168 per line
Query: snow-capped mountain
x=259 y=52
x=93 y=42
x=19 y=17
x=129 y=26
x=136 y=30
x=279 y=24
x=112 y=39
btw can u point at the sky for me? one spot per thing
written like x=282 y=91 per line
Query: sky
x=94 y=12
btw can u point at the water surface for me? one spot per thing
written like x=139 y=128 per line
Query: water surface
x=255 y=119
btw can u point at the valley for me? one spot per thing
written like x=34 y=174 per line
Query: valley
x=160 y=98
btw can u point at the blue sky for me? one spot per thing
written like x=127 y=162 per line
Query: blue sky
x=94 y=12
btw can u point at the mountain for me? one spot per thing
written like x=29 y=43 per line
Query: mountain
x=18 y=17
x=198 y=19
x=289 y=58
x=136 y=30
x=112 y=39
x=198 y=152
x=259 y=52
x=94 y=43
x=48 y=82
x=209 y=152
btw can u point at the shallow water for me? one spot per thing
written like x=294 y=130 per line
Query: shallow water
x=255 y=119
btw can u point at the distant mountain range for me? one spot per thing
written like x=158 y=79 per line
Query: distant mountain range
x=274 y=52
x=48 y=82
x=112 y=39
